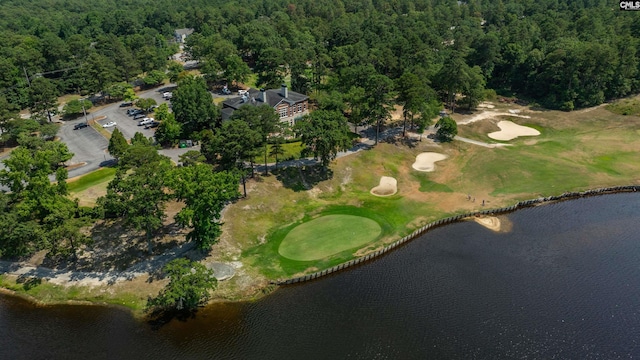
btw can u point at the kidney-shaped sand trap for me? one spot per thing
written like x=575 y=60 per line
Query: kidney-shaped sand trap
x=427 y=161
x=388 y=186
x=510 y=130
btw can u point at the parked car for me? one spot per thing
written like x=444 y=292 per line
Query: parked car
x=146 y=121
x=80 y=126
x=167 y=95
x=126 y=103
x=153 y=124
x=109 y=124
x=132 y=112
x=242 y=92
x=141 y=115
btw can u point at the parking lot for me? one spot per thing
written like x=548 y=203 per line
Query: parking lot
x=90 y=147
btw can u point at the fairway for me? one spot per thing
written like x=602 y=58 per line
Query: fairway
x=328 y=235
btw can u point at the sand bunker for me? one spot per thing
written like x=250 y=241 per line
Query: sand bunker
x=388 y=186
x=489 y=114
x=491 y=222
x=426 y=161
x=510 y=130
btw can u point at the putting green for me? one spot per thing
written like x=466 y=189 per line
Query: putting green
x=328 y=235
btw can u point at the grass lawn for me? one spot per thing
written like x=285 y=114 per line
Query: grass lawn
x=328 y=235
x=291 y=152
x=103 y=175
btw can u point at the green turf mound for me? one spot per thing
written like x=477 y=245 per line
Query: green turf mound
x=328 y=235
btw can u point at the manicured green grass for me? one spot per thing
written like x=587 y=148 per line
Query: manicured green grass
x=91 y=179
x=291 y=151
x=427 y=185
x=328 y=235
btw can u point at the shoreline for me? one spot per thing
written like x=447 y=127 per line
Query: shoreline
x=274 y=284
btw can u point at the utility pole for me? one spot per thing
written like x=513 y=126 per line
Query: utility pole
x=84 y=111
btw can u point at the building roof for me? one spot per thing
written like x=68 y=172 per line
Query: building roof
x=185 y=32
x=253 y=97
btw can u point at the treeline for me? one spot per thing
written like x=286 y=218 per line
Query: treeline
x=562 y=54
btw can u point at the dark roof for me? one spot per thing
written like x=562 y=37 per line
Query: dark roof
x=226 y=113
x=274 y=97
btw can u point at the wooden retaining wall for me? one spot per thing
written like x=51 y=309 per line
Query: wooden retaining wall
x=417 y=233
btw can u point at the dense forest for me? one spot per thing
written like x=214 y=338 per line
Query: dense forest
x=353 y=58
x=559 y=53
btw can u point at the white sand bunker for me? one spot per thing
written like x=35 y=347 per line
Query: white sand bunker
x=388 y=186
x=510 y=130
x=491 y=222
x=427 y=161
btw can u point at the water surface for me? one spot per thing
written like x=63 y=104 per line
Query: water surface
x=563 y=283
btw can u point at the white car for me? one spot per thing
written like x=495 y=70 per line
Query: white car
x=168 y=95
x=146 y=121
x=109 y=124
x=242 y=92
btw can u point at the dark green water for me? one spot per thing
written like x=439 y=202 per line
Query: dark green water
x=564 y=283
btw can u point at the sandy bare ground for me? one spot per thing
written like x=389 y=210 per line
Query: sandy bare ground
x=426 y=161
x=490 y=222
x=388 y=186
x=488 y=115
x=510 y=130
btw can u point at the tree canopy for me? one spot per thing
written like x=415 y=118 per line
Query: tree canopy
x=323 y=134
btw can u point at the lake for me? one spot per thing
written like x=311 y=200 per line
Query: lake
x=564 y=282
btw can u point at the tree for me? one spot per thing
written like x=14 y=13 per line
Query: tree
x=129 y=95
x=139 y=139
x=231 y=145
x=76 y=107
x=192 y=157
x=169 y=130
x=175 y=70
x=447 y=129
x=323 y=134
x=193 y=106
x=205 y=193
x=146 y=103
x=426 y=115
x=380 y=96
x=189 y=285
x=261 y=118
x=412 y=96
x=38 y=214
x=43 y=96
x=137 y=194
x=119 y=90
x=473 y=92
x=118 y=145
x=154 y=78
x=236 y=71
x=276 y=148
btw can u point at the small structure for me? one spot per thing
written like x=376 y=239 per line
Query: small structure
x=181 y=35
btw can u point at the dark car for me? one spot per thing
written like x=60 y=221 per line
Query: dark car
x=126 y=103
x=80 y=126
x=153 y=124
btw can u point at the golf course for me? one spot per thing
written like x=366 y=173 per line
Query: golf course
x=281 y=231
